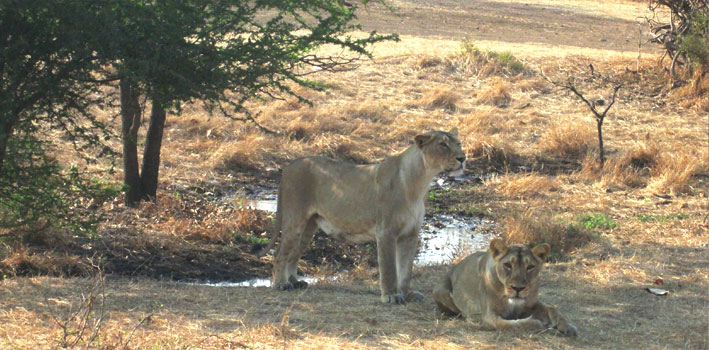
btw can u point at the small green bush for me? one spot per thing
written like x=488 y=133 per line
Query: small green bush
x=696 y=43
x=600 y=221
x=471 y=58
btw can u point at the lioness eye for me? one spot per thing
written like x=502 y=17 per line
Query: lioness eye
x=444 y=145
x=508 y=266
x=530 y=267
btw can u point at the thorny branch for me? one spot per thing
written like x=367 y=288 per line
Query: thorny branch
x=570 y=84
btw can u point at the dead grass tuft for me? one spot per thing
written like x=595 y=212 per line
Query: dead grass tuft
x=483 y=120
x=496 y=93
x=534 y=226
x=694 y=94
x=672 y=173
x=369 y=111
x=483 y=63
x=428 y=61
x=526 y=185
x=438 y=98
x=571 y=140
x=496 y=151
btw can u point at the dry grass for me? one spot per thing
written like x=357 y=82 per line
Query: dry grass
x=570 y=139
x=537 y=225
x=497 y=93
x=526 y=185
x=694 y=94
x=598 y=280
x=438 y=98
x=672 y=174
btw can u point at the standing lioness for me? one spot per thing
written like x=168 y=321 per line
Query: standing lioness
x=362 y=203
x=500 y=286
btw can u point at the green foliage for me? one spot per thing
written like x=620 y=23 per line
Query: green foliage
x=696 y=43
x=253 y=240
x=36 y=193
x=480 y=61
x=601 y=221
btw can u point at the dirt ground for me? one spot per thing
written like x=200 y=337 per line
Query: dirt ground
x=523 y=179
x=608 y=25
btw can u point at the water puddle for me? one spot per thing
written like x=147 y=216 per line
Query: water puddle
x=443 y=237
x=256 y=282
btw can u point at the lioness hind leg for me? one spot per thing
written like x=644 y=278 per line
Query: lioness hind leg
x=297 y=241
x=552 y=318
x=442 y=297
x=284 y=263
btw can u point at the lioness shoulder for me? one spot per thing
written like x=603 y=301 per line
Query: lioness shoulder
x=499 y=287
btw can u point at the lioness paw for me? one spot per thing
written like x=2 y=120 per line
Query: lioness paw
x=394 y=299
x=567 y=329
x=283 y=286
x=300 y=284
x=415 y=296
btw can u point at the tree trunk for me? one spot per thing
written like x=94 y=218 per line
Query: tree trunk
x=130 y=117
x=6 y=127
x=151 y=154
x=599 y=123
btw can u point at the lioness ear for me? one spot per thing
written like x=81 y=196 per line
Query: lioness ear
x=497 y=247
x=454 y=131
x=542 y=251
x=423 y=139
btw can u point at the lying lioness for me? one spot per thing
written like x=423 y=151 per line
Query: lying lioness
x=359 y=203
x=501 y=286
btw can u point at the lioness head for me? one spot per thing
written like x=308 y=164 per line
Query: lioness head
x=442 y=151
x=517 y=268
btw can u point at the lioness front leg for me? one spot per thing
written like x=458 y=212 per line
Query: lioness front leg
x=553 y=319
x=405 y=253
x=386 y=257
x=495 y=321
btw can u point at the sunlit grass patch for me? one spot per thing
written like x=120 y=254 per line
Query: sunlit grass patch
x=438 y=98
x=526 y=185
x=496 y=93
x=572 y=139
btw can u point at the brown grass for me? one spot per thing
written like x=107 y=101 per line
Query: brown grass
x=536 y=225
x=695 y=93
x=438 y=98
x=496 y=93
x=598 y=280
x=571 y=139
x=672 y=174
x=526 y=185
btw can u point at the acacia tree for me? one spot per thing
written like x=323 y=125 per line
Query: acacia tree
x=221 y=52
x=48 y=72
